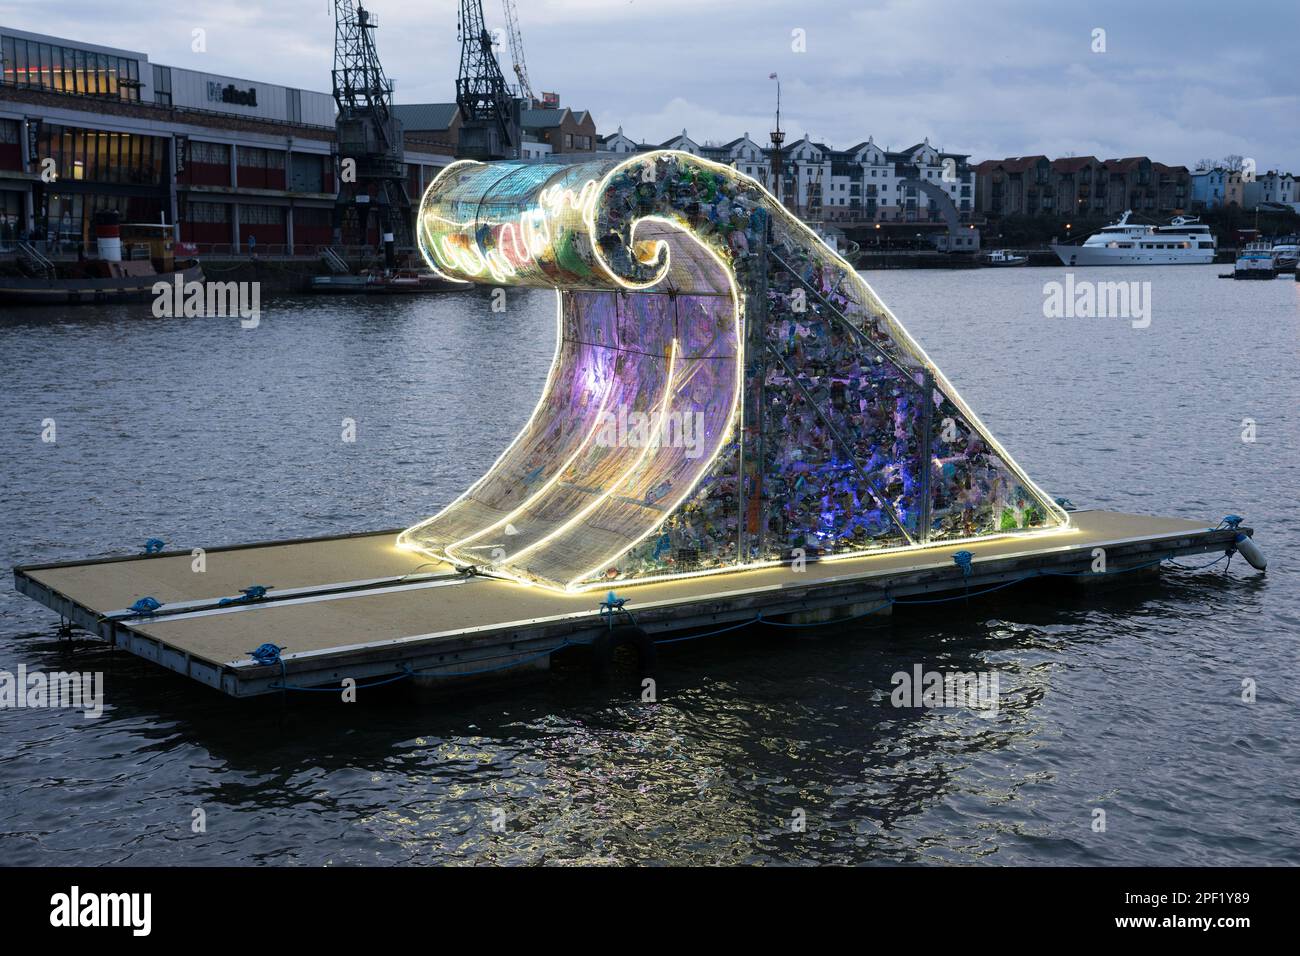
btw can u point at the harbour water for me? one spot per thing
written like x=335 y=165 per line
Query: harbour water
x=200 y=432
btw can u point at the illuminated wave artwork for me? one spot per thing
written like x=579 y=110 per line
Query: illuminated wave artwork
x=726 y=392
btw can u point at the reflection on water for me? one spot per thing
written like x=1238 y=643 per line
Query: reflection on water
x=201 y=433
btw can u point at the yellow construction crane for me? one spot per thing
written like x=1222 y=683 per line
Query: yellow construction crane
x=517 y=51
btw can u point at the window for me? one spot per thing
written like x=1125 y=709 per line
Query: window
x=252 y=157
x=213 y=153
x=60 y=69
x=56 y=70
x=107 y=74
x=294 y=101
x=261 y=215
x=162 y=85
x=10 y=61
x=312 y=216
x=208 y=212
x=101 y=155
x=20 y=63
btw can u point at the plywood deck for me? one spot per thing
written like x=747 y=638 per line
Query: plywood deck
x=360 y=603
x=114 y=584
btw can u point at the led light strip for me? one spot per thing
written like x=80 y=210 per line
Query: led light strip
x=403 y=541
x=725 y=433
x=420 y=223
x=550 y=482
x=665 y=403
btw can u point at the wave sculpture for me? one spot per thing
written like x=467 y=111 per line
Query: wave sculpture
x=726 y=392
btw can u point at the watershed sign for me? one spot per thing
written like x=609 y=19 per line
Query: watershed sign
x=231 y=94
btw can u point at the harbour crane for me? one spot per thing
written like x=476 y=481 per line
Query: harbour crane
x=372 y=180
x=489 y=114
x=517 y=51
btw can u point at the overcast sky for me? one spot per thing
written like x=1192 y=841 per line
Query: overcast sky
x=1178 y=81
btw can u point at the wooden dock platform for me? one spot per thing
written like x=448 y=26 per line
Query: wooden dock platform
x=358 y=607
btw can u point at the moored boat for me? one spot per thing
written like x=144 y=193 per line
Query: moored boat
x=1000 y=257
x=1183 y=242
x=75 y=289
x=1255 y=262
x=379 y=283
x=149 y=258
x=1286 y=253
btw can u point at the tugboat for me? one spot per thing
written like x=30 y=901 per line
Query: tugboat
x=149 y=257
x=1255 y=262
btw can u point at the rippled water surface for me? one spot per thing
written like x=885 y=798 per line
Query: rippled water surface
x=200 y=433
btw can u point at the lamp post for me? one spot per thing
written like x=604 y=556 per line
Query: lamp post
x=778 y=137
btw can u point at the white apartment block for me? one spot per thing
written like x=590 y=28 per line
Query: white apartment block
x=864 y=183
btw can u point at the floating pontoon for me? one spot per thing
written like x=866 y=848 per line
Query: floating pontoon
x=734 y=428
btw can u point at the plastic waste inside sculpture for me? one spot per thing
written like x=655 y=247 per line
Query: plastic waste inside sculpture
x=726 y=391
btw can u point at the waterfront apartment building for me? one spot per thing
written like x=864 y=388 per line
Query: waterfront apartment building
x=867 y=183
x=1080 y=186
x=1273 y=188
x=862 y=184
x=1217 y=188
x=232 y=163
x=546 y=131
x=561 y=129
x=616 y=143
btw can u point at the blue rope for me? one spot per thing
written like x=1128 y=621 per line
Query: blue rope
x=721 y=630
x=146 y=605
x=1200 y=567
x=281 y=685
x=266 y=654
x=838 y=620
x=963 y=560
x=1090 y=572
x=611 y=606
x=968 y=594
x=269 y=654
x=255 y=592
